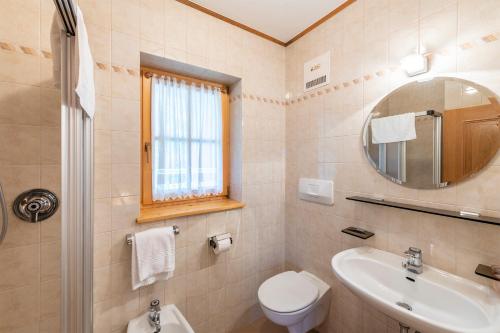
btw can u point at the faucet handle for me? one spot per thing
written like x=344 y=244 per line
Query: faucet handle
x=414 y=252
x=155 y=305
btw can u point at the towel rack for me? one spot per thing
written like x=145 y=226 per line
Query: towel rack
x=130 y=237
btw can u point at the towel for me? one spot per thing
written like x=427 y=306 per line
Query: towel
x=85 y=88
x=153 y=256
x=394 y=128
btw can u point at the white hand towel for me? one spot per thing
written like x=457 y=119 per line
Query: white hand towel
x=85 y=88
x=394 y=128
x=153 y=256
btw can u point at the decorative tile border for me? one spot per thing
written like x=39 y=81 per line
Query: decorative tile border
x=483 y=40
x=252 y=97
x=370 y=76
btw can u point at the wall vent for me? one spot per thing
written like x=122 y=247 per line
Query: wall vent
x=317 y=72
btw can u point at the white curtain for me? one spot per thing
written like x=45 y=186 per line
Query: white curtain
x=186 y=131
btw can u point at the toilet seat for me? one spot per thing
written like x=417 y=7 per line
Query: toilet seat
x=287 y=292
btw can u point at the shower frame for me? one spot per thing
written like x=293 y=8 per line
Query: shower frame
x=77 y=188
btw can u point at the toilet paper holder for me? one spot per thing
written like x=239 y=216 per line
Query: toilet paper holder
x=213 y=241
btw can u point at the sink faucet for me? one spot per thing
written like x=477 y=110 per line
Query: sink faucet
x=154 y=315
x=413 y=261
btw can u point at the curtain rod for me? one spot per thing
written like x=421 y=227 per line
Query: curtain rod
x=197 y=82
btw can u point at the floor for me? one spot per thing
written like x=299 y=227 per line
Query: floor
x=264 y=326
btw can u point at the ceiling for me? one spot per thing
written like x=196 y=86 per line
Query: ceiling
x=280 y=19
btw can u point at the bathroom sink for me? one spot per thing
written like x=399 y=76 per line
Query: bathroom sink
x=171 y=319
x=436 y=301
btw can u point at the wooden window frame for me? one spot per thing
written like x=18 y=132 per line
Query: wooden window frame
x=146 y=167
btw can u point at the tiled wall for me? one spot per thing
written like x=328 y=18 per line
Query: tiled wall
x=367 y=40
x=29 y=158
x=215 y=294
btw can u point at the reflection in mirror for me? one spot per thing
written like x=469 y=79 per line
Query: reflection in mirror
x=433 y=133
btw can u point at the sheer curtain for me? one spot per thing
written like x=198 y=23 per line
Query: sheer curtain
x=186 y=131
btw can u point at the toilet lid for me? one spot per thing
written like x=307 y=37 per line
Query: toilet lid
x=287 y=292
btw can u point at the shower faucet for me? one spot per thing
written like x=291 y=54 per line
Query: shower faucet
x=154 y=315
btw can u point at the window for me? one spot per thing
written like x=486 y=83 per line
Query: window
x=185 y=139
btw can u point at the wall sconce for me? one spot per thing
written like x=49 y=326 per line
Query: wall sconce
x=415 y=64
x=470 y=90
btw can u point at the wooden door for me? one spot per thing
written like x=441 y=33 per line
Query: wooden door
x=471 y=137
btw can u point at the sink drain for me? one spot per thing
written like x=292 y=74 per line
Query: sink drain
x=404 y=305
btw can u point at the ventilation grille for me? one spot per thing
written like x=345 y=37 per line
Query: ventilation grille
x=315 y=82
x=317 y=72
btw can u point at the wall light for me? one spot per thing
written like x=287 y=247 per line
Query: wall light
x=414 y=64
x=470 y=90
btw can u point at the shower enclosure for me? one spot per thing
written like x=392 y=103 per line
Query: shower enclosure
x=46 y=148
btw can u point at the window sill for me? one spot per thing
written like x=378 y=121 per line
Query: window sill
x=155 y=214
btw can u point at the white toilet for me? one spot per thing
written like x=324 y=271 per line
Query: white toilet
x=299 y=301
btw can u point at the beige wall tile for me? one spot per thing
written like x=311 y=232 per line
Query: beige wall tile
x=125 y=115
x=50 y=109
x=50 y=261
x=102 y=215
x=152 y=20
x=102 y=250
x=20 y=233
x=102 y=120
x=15 y=301
x=125 y=147
x=125 y=306
x=97 y=12
x=50 y=299
x=102 y=147
x=50 y=145
x=125 y=16
x=30 y=109
x=102 y=284
x=21 y=145
x=390 y=32
x=17 y=179
x=22 y=29
x=102 y=181
x=125 y=49
x=125 y=86
x=19 y=68
x=125 y=180
x=19 y=104
x=124 y=211
x=50 y=325
x=23 y=267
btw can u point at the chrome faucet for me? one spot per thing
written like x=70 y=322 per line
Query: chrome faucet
x=413 y=261
x=154 y=315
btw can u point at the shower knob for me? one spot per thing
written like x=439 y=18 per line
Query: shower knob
x=35 y=205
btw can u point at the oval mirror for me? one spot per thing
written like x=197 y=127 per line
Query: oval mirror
x=433 y=133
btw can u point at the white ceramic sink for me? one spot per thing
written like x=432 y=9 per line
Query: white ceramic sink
x=440 y=301
x=171 y=319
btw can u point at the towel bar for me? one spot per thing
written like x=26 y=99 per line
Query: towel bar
x=130 y=237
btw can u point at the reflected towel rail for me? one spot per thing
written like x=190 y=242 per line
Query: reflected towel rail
x=428 y=113
x=130 y=237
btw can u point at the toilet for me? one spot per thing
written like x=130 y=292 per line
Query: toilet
x=299 y=301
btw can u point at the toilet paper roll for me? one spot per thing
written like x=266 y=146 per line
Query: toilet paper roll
x=222 y=245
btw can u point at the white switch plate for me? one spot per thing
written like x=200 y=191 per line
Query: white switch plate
x=316 y=190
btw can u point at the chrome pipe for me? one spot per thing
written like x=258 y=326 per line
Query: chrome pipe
x=5 y=215
x=403 y=328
